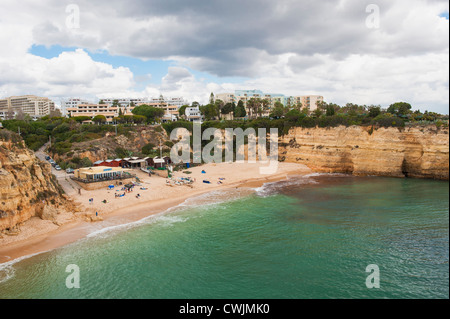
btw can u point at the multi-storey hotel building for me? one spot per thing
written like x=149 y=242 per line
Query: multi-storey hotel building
x=308 y=101
x=32 y=105
x=93 y=110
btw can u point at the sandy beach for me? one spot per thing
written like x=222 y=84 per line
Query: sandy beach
x=39 y=236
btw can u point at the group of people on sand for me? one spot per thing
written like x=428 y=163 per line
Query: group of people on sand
x=118 y=195
x=124 y=193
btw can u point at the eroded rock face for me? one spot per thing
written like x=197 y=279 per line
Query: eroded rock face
x=104 y=148
x=27 y=187
x=420 y=152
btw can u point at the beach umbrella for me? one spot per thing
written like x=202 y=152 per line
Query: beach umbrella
x=111 y=186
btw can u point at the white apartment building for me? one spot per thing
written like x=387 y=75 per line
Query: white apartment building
x=110 y=112
x=125 y=102
x=71 y=103
x=171 y=105
x=93 y=110
x=308 y=101
x=193 y=114
x=177 y=101
x=32 y=105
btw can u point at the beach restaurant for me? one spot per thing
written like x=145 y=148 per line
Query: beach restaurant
x=101 y=173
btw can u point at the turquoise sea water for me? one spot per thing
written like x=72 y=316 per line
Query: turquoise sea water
x=304 y=238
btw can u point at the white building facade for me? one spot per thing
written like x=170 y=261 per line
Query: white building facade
x=32 y=105
x=193 y=115
x=307 y=101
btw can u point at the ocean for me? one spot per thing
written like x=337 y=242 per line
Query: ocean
x=308 y=237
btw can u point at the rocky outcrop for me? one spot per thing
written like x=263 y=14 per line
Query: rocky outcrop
x=27 y=187
x=104 y=148
x=419 y=152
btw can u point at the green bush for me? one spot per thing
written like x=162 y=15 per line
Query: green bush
x=169 y=144
x=308 y=122
x=148 y=149
x=86 y=162
x=388 y=121
x=61 y=148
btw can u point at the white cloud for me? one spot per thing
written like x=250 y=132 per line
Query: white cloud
x=71 y=73
x=291 y=47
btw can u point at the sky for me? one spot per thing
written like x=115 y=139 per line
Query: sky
x=372 y=52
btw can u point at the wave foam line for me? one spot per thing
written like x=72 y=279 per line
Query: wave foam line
x=7 y=270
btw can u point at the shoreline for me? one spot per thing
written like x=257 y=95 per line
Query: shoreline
x=76 y=230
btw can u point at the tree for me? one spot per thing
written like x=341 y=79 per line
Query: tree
x=81 y=119
x=139 y=119
x=353 y=109
x=129 y=118
x=278 y=110
x=161 y=101
x=182 y=110
x=150 y=112
x=322 y=105
x=228 y=108
x=330 y=111
x=264 y=106
x=253 y=106
x=211 y=98
x=288 y=103
x=240 y=110
x=99 y=119
x=399 y=108
x=148 y=149
x=86 y=162
x=101 y=102
x=218 y=105
x=298 y=106
x=374 y=111
x=318 y=112
x=209 y=111
x=293 y=116
x=120 y=111
x=20 y=115
x=55 y=113
x=115 y=103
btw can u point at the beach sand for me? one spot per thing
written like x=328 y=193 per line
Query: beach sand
x=39 y=235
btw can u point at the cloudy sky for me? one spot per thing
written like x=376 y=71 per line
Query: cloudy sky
x=358 y=51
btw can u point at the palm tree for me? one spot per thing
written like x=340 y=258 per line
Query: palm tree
x=253 y=106
x=265 y=105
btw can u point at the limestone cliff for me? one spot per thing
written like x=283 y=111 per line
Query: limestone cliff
x=27 y=187
x=420 y=152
